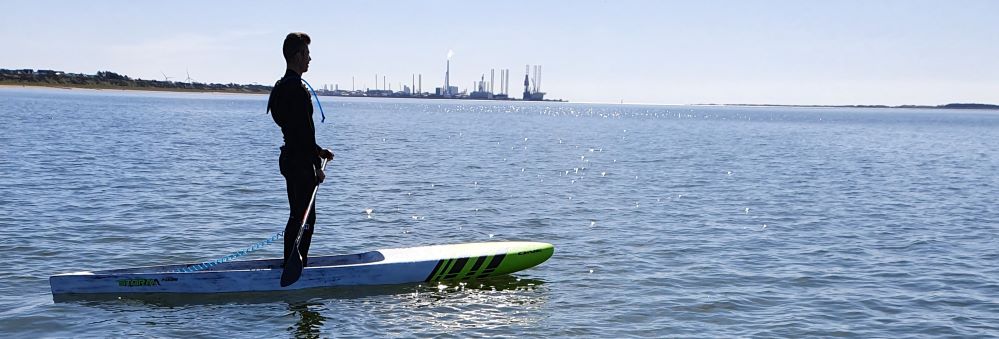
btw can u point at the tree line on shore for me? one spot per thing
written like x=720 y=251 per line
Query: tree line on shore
x=106 y=79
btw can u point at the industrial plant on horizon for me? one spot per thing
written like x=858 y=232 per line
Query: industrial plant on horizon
x=481 y=89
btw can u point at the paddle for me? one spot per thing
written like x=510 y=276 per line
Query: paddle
x=293 y=267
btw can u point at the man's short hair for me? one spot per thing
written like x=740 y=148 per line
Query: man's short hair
x=293 y=43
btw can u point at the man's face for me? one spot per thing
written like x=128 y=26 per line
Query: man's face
x=303 y=59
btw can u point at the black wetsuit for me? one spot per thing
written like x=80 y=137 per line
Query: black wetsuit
x=291 y=108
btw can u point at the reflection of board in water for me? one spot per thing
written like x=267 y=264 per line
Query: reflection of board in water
x=432 y=291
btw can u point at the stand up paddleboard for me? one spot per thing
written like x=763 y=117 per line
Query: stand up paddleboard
x=381 y=267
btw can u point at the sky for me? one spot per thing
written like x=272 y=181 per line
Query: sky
x=665 y=52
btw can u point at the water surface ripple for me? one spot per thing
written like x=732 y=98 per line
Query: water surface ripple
x=668 y=221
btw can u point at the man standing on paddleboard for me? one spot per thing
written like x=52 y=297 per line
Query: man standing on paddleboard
x=291 y=108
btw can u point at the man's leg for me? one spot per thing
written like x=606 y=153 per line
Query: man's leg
x=298 y=198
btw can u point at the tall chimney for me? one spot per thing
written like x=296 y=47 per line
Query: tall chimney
x=504 y=80
x=534 y=79
x=507 y=89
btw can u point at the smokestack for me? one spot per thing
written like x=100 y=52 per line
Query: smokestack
x=503 y=81
x=534 y=79
x=507 y=89
x=447 y=74
x=376 y=81
x=421 y=83
x=492 y=79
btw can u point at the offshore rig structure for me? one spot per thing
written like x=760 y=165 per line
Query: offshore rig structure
x=533 y=93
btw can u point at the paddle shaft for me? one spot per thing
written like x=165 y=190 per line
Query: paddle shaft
x=308 y=208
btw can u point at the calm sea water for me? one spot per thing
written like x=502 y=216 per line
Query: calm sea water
x=667 y=220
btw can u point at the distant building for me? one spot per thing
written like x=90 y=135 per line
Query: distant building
x=480 y=95
x=378 y=93
x=481 y=92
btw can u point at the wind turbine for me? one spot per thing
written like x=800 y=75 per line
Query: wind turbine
x=189 y=80
x=165 y=77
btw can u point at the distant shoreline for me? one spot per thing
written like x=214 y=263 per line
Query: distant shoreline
x=102 y=86
x=962 y=106
x=111 y=80
x=5 y=84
